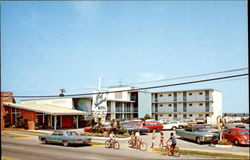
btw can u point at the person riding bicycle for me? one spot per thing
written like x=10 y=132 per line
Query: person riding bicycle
x=111 y=137
x=173 y=140
x=137 y=137
x=132 y=138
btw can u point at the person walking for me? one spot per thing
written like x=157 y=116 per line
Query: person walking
x=153 y=139
x=161 y=139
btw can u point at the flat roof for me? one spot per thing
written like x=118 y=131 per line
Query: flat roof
x=47 y=109
x=51 y=98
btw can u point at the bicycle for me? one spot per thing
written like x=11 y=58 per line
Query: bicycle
x=140 y=145
x=112 y=144
x=165 y=150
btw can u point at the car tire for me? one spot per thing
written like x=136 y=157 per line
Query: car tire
x=44 y=141
x=65 y=143
x=174 y=128
x=198 y=140
x=236 y=142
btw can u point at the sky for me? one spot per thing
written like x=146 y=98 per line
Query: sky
x=46 y=46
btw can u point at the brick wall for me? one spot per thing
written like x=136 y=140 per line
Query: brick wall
x=5 y=99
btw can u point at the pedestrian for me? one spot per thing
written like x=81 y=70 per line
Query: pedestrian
x=153 y=139
x=173 y=140
x=161 y=139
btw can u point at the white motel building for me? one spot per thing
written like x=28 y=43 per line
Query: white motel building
x=124 y=103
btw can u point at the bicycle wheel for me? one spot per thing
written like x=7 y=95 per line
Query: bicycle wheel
x=116 y=145
x=164 y=150
x=177 y=152
x=107 y=144
x=130 y=144
x=143 y=146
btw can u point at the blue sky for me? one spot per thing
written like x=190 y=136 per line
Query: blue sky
x=46 y=46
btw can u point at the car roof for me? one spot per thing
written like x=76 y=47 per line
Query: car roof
x=238 y=129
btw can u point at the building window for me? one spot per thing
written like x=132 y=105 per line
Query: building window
x=169 y=95
x=184 y=107
x=160 y=95
x=161 y=105
x=207 y=107
x=170 y=105
x=190 y=94
x=175 y=107
x=118 y=95
x=207 y=115
x=201 y=104
x=200 y=115
x=190 y=104
x=170 y=115
x=184 y=116
x=160 y=115
x=175 y=116
x=190 y=115
x=200 y=93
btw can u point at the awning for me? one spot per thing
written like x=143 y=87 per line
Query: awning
x=47 y=109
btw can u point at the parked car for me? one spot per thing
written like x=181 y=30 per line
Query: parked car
x=237 y=136
x=65 y=138
x=244 y=125
x=193 y=133
x=207 y=127
x=173 y=125
x=151 y=126
x=200 y=120
x=190 y=122
x=232 y=124
x=133 y=128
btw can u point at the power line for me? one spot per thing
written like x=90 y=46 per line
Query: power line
x=138 y=89
x=183 y=77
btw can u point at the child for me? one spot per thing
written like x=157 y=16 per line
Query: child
x=132 y=138
x=153 y=139
x=173 y=140
x=161 y=139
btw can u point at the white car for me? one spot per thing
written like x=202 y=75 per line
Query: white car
x=173 y=125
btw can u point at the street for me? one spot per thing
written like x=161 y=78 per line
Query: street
x=31 y=149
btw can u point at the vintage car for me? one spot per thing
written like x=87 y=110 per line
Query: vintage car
x=152 y=126
x=207 y=127
x=200 y=120
x=173 y=125
x=133 y=128
x=237 y=136
x=65 y=138
x=200 y=136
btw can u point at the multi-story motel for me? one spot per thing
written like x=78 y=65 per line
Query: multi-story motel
x=188 y=104
x=122 y=103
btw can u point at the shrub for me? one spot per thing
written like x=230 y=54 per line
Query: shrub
x=224 y=142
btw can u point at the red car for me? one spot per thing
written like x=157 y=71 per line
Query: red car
x=157 y=126
x=236 y=136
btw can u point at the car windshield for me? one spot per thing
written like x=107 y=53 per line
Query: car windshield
x=72 y=133
x=244 y=132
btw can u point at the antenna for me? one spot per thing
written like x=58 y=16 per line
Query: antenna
x=120 y=82
x=62 y=91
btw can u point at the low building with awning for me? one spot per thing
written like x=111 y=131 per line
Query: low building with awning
x=48 y=115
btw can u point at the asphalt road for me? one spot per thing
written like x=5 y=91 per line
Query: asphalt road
x=31 y=149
